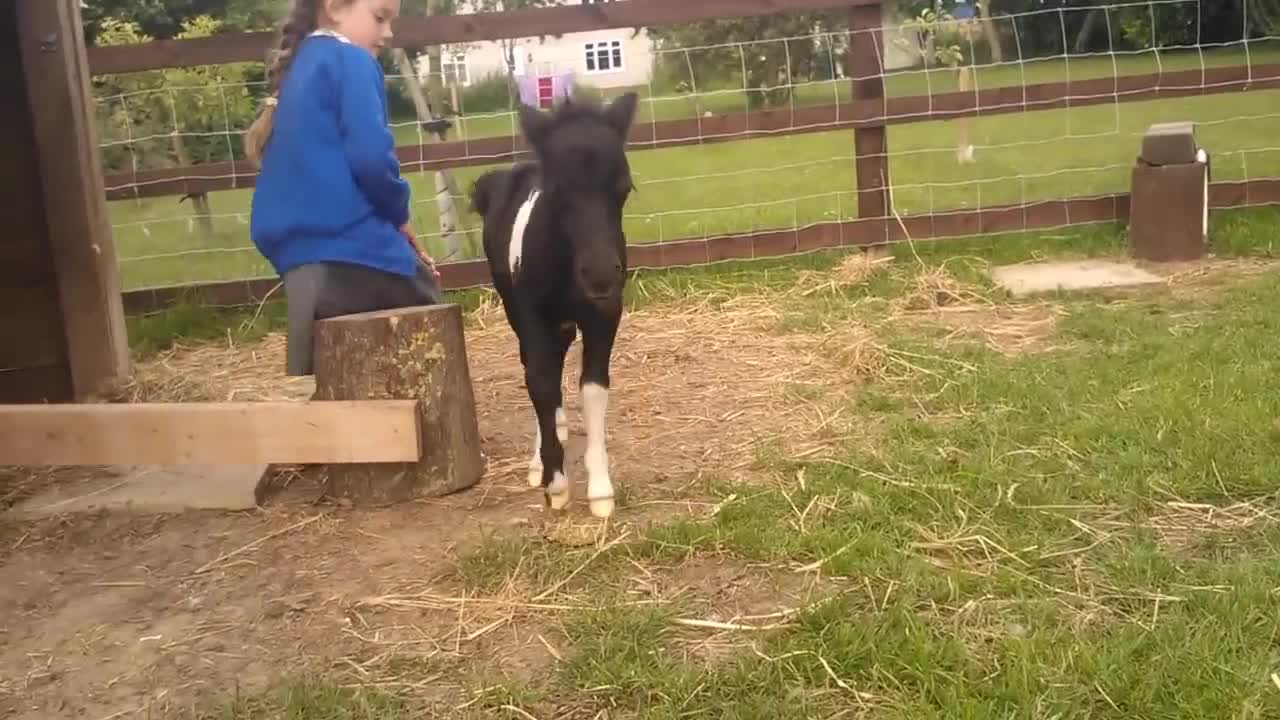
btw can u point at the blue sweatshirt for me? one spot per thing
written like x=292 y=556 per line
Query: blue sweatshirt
x=329 y=187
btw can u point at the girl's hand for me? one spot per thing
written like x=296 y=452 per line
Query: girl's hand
x=412 y=239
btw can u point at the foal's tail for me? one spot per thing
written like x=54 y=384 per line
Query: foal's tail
x=482 y=192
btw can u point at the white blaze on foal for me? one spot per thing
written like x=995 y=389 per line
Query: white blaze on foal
x=516 y=248
x=595 y=404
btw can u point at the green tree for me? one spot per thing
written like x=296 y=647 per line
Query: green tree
x=165 y=19
x=127 y=109
x=173 y=117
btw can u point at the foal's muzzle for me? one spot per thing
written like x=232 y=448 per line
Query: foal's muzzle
x=601 y=282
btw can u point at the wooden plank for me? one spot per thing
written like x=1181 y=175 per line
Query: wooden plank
x=53 y=56
x=1077 y=93
x=1238 y=193
x=242 y=433
x=999 y=218
x=415 y=31
x=765 y=243
x=33 y=356
x=497 y=150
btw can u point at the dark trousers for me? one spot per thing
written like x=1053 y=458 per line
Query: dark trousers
x=324 y=290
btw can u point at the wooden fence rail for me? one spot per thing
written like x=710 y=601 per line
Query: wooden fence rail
x=860 y=114
x=868 y=114
x=862 y=232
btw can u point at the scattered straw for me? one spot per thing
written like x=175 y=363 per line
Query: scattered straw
x=1180 y=523
x=699 y=383
x=1208 y=272
x=246 y=548
x=856 y=269
x=861 y=697
x=563 y=581
x=217 y=372
x=935 y=287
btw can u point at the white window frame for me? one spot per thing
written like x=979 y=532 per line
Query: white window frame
x=455 y=60
x=591 y=51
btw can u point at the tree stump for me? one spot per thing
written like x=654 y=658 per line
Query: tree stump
x=416 y=353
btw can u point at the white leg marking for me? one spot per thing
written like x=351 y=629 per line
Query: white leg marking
x=535 y=462
x=558 y=491
x=562 y=426
x=595 y=404
x=516 y=247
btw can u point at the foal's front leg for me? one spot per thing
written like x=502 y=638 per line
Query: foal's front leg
x=567 y=333
x=543 y=371
x=597 y=345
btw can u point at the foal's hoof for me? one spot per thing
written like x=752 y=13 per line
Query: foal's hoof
x=601 y=507
x=557 y=493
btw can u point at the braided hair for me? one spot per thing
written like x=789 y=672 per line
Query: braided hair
x=304 y=17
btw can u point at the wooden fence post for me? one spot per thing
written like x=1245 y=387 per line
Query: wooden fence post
x=871 y=145
x=60 y=101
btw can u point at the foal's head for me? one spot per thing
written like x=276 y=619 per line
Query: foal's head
x=580 y=147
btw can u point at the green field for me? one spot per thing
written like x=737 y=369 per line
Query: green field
x=797 y=180
x=1084 y=529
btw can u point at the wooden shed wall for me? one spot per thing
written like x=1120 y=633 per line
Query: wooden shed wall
x=34 y=363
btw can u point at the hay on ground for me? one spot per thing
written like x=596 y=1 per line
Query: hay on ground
x=699 y=384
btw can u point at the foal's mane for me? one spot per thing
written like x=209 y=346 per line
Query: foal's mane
x=569 y=111
x=496 y=185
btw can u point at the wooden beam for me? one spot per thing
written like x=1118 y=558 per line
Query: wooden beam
x=738 y=126
x=242 y=433
x=766 y=243
x=58 y=93
x=414 y=31
x=33 y=353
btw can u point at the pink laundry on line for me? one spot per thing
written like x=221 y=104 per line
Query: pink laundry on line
x=543 y=90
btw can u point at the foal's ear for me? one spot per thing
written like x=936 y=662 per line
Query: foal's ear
x=622 y=111
x=534 y=124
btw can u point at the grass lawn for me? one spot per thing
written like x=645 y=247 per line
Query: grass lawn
x=1085 y=528
x=798 y=180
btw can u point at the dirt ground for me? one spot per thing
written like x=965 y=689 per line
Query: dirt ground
x=115 y=615
x=119 y=615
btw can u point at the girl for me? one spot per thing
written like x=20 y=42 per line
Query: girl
x=330 y=210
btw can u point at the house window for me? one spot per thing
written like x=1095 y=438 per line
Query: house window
x=453 y=69
x=604 y=56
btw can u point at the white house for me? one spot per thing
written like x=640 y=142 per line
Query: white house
x=602 y=58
